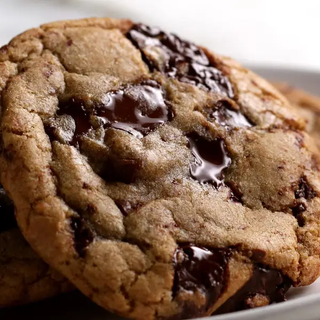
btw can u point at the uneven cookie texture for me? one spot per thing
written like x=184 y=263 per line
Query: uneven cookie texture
x=307 y=105
x=163 y=180
x=24 y=277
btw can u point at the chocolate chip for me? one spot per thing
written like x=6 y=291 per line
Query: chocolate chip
x=223 y=113
x=200 y=270
x=257 y=255
x=297 y=212
x=299 y=208
x=122 y=170
x=210 y=159
x=179 y=59
x=7 y=218
x=71 y=122
x=136 y=109
x=266 y=282
x=305 y=190
x=86 y=186
x=83 y=234
x=124 y=206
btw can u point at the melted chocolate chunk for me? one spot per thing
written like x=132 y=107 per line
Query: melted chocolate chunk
x=123 y=170
x=83 y=235
x=200 y=270
x=304 y=191
x=266 y=282
x=136 y=109
x=178 y=59
x=7 y=218
x=72 y=121
x=224 y=114
x=297 y=212
x=210 y=159
x=124 y=206
x=77 y=110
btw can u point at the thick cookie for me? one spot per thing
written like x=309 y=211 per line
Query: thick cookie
x=163 y=180
x=307 y=105
x=24 y=277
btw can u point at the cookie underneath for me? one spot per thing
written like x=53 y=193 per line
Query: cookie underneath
x=24 y=277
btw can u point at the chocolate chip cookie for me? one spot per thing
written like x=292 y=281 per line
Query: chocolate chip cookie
x=24 y=277
x=307 y=105
x=165 y=181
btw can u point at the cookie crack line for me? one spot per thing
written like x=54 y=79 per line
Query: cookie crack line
x=124 y=161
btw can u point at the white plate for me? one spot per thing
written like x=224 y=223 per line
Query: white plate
x=302 y=304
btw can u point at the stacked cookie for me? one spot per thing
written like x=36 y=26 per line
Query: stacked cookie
x=162 y=180
x=24 y=277
x=307 y=105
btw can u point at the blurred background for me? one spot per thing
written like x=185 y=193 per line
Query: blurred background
x=257 y=32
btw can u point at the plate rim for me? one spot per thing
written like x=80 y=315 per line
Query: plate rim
x=272 y=309
x=273 y=67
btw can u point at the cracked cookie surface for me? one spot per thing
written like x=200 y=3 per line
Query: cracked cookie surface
x=306 y=104
x=163 y=180
x=24 y=277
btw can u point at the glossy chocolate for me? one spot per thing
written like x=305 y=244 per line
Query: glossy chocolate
x=83 y=235
x=200 y=270
x=178 y=59
x=304 y=190
x=266 y=282
x=77 y=110
x=136 y=109
x=210 y=159
x=72 y=121
x=7 y=218
x=224 y=114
